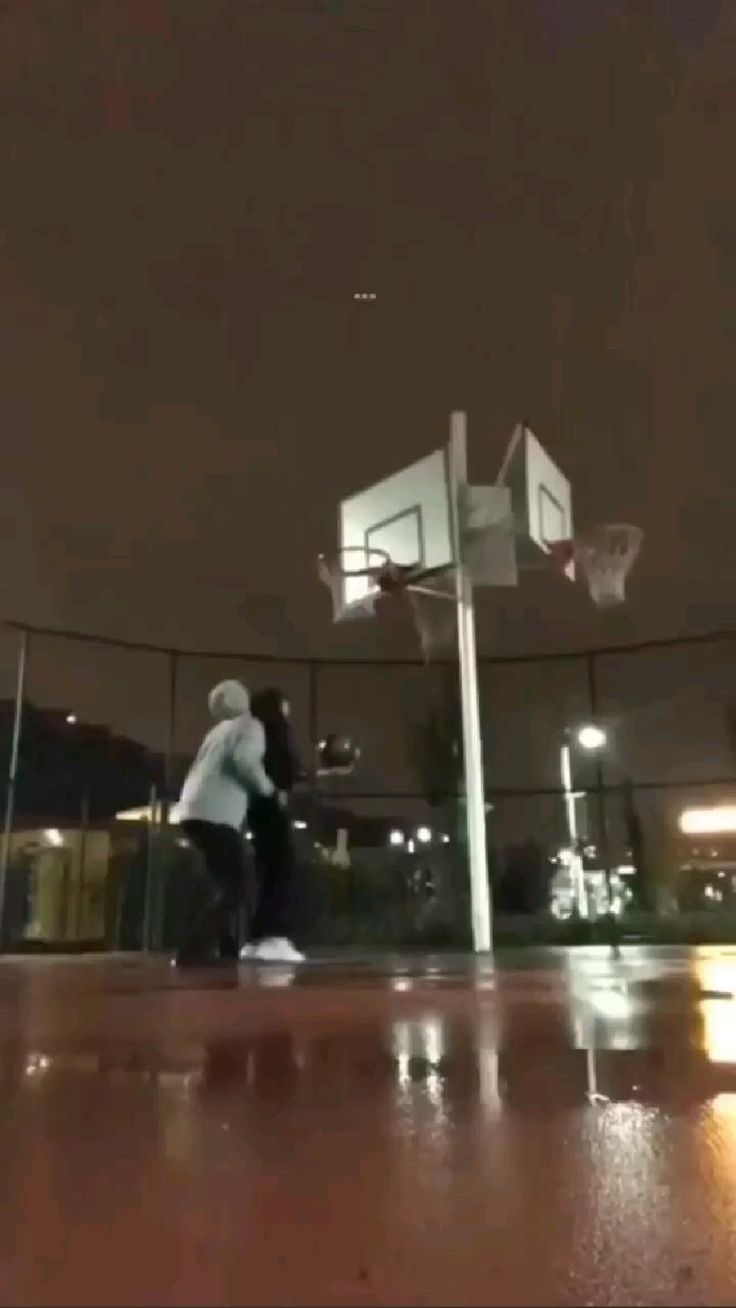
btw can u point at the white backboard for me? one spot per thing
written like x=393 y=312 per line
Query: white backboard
x=541 y=497
x=407 y=515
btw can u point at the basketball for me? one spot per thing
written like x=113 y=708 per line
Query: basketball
x=337 y=754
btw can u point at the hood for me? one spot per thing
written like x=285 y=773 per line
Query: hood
x=268 y=705
x=228 y=700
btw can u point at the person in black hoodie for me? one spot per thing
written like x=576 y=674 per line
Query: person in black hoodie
x=270 y=824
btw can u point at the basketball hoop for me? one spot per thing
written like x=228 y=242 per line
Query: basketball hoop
x=606 y=555
x=410 y=587
x=347 y=563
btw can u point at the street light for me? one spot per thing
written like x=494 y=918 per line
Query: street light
x=591 y=738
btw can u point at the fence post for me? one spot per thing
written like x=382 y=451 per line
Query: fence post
x=173 y=661
x=313 y=707
x=603 y=842
x=149 y=889
x=313 y=729
x=20 y=686
x=81 y=862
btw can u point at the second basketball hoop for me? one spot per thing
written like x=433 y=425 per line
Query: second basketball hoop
x=543 y=523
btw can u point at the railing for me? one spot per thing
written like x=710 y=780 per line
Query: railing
x=95 y=728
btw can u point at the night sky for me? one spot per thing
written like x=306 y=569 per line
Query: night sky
x=539 y=192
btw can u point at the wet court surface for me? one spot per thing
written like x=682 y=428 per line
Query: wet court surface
x=425 y=1130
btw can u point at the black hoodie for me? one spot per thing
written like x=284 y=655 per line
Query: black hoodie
x=280 y=759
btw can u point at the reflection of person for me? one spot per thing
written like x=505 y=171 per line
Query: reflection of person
x=223 y=780
x=270 y=825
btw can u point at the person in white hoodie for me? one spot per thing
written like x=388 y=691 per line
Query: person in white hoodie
x=227 y=772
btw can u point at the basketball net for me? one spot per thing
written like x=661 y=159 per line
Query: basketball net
x=606 y=554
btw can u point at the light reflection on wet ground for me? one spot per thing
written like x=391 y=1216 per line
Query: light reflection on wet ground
x=560 y=1129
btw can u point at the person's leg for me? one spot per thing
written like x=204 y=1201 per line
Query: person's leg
x=274 y=919
x=213 y=931
x=199 y=943
x=231 y=868
x=260 y=816
x=275 y=913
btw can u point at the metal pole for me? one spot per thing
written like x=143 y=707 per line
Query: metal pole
x=82 y=862
x=170 y=739
x=577 y=869
x=600 y=783
x=312 y=778
x=566 y=774
x=148 y=894
x=20 y=686
x=475 y=807
x=313 y=708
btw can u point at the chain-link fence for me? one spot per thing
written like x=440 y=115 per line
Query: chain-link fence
x=97 y=736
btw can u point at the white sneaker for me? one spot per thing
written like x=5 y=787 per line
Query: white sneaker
x=276 y=950
x=247 y=953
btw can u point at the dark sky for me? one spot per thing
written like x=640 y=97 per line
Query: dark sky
x=539 y=191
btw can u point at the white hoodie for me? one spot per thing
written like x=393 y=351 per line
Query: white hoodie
x=229 y=766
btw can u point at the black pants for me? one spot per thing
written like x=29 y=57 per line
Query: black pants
x=276 y=868
x=215 y=928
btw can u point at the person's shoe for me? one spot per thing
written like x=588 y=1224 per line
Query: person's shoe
x=248 y=953
x=276 y=950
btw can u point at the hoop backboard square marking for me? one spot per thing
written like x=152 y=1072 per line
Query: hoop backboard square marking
x=541 y=497
x=407 y=514
x=401 y=536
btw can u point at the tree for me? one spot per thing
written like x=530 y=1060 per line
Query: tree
x=434 y=734
x=654 y=846
x=524 y=885
x=435 y=740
